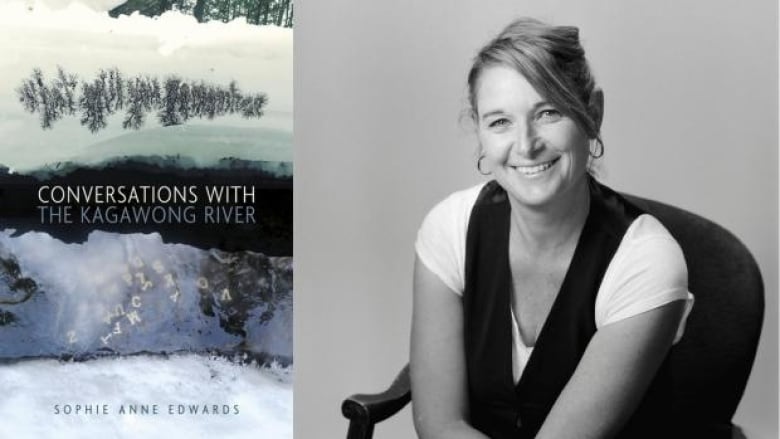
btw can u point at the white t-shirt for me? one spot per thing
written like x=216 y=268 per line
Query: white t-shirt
x=647 y=271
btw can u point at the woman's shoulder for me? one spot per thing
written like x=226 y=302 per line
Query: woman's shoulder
x=648 y=270
x=648 y=244
x=455 y=208
x=647 y=231
x=441 y=239
x=463 y=199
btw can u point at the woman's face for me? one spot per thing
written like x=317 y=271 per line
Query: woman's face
x=535 y=152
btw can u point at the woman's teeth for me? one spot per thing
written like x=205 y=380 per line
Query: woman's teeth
x=531 y=170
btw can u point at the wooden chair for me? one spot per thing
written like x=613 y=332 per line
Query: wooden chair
x=709 y=366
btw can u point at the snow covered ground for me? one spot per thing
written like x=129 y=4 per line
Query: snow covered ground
x=85 y=293
x=251 y=402
x=82 y=38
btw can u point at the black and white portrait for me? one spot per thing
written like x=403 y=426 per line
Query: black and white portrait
x=683 y=111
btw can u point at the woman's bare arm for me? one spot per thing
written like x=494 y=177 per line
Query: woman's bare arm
x=438 y=368
x=613 y=375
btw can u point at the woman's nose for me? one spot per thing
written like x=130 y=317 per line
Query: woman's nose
x=526 y=142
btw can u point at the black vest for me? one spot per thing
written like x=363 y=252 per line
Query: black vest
x=499 y=407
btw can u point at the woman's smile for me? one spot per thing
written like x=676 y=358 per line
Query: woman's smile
x=538 y=169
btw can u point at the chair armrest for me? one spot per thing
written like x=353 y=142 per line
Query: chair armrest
x=365 y=410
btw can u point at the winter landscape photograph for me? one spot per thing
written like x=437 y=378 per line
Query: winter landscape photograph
x=146 y=218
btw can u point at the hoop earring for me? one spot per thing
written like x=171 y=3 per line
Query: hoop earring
x=479 y=165
x=599 y=150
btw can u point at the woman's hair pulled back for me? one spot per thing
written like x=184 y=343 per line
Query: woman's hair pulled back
x=552 y=60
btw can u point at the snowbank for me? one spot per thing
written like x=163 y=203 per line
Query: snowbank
x=251 y=402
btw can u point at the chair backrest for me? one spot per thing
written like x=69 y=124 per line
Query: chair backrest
x=711 y=363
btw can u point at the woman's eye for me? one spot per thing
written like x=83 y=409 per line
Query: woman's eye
x=549 y=115
x=499 y=123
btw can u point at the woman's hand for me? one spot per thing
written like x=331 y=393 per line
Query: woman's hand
x=438 y=365
x=613 y=375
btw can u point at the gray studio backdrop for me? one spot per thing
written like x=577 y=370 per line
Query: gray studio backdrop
x=691 y=120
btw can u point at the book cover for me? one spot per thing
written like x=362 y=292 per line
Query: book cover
x=146 y=218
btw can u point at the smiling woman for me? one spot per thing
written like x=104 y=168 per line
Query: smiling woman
x=545 y=303
x=532 y=149
x=383 y=134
